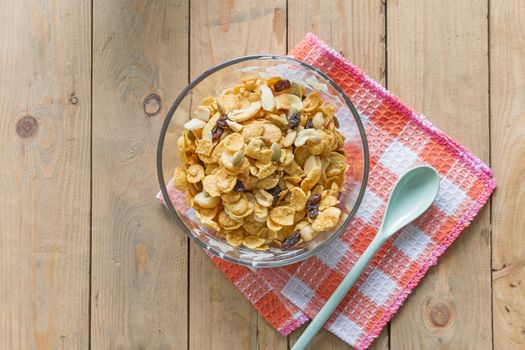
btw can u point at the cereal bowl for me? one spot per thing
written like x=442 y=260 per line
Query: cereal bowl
x=281 y=94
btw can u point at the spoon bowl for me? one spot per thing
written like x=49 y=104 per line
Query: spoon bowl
x=413 y=194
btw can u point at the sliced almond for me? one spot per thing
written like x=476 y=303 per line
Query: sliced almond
x=202 y=113
x=234 y=126
x=240 y=115
x=289 y=138
x=307 y=135
x=318 y=120
x=267 y=99
x=194 y=124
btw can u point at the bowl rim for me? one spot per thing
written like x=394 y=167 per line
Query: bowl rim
x=162 y=183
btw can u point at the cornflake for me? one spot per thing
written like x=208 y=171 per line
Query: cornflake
x=263 y=164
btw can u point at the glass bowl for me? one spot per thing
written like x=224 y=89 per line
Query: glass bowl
x=213 y=82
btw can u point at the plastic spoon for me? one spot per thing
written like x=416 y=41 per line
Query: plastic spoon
x=412 y=195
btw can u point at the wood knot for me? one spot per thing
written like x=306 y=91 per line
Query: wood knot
x=27 y=126
x=152 y=105
x=440 y=314
x=73 y=100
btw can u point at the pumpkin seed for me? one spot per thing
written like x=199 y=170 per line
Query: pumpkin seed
x=238 y=159
x=221 y=109
x=276 y=149
x=296 y=90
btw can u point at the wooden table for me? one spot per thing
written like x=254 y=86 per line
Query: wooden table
x=88 y=258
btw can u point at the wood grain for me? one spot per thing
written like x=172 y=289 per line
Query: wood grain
x=507 y=88
x=437 y=63
x=357 y=29
x=354 y=28
x=44 y=174
x=221 y=318
x=139 y=257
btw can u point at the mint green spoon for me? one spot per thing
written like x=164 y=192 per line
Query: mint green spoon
x=412 y=195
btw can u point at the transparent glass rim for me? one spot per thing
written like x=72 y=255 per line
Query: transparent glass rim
x=162 y=183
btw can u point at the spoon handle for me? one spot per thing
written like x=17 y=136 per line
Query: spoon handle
x=331 y=304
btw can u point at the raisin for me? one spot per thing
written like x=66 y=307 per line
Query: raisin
x=312 y=213
x=292 y=240
x=275 y=192
x=293 y=120
x=309 y=124
x=216 y=133
x=239 y=186
x=312 y=206
x=281 y=85
x=222 y=122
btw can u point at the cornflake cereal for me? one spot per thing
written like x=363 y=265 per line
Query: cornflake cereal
x=263 y=164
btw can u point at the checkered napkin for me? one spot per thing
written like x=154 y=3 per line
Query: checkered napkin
x=399 y=139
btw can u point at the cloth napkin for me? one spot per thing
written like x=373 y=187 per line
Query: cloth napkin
x=399 y=139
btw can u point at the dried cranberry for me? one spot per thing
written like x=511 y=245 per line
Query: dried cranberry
x=281 y=85
x=312 y=206
x=293 y=120
x=239 y=186
x=222 y=122
x=216 y=133
x=275 y=192
x=309 y=124
x=292 y=240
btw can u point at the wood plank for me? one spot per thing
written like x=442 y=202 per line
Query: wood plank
x=139 y=257
x=357 y=29
x=507 y=96
x=45 y=174
x=437 y=63
x=221 y=318
x=354 y=28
